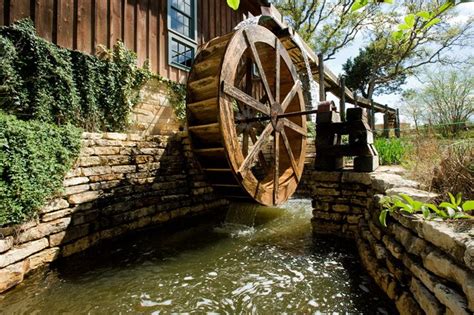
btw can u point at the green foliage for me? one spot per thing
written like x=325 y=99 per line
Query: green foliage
x=41 y=81
x=177 y=97
x=34 y=156
x=392 y=150
x=454 y=209
x=234 y=4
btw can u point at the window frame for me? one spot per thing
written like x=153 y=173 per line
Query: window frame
x=175 y=35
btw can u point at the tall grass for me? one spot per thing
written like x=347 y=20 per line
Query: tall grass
x=392 y=150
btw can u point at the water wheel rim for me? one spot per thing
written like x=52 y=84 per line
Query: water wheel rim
x=267 y=191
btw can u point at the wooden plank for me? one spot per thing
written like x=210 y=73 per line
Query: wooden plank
x=205 y=21
x=153 y=36
x=65 y=28
x=163 y=45
x=2 y=12
x=102 y=23
x=44 y=12
x=115 y=22
x=212 y=22
x=223 y=17
x=19 y=9
x=142 y=31
x=218 y=17
x=129 y=24
x=84 y=26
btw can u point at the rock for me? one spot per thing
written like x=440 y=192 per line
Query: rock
x=96 y=170
x=418 y=271
x=56 y=215
x=80 y=245
x=446 y=268
x=451 y=299
x=469 y=255
x=6 y=243
x=12 y=275
x=55 y=204
x=341 y=208
x=106 y=150
x=416 y=194
x=381 y=182
x=427 y=301
x=407 y=305
x=115 y=136
x=393 y=169
x=326 y=176
x=88 y=161
x=326 y=191
x=124 y=169
x=83 y=197
x=43 y=257
x=44 y=229
x=22 y=251
x=356 y=177
x=329 y=216
x=76 y=189
x=92 y=135
x=395 y=249
x=75 y=181
x=413 y=244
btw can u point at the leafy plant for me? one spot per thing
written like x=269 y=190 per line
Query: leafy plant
x=392 y=150
x=34 y=157
x=177 y=97
x=234 y=4
x=454 y=209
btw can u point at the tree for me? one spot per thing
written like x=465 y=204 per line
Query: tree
x=412 y=107
x=446 y=99
x=326 y=25
x=384 y=63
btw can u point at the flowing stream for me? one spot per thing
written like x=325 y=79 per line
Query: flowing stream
x=260 y=260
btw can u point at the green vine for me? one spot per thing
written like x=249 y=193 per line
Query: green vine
x=176 y=96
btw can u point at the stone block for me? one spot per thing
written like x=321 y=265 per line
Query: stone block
x=88 y=161
x=71 y=190
x=107 y=150
x=406 y=304
x=341 y=208
x=327 y=191
x=425 y=299
x=56 y=215
x=381 y=182
x=328 y=163
x=416 y=194
x=80 y=245
x=115 y=159
x=46 y=256
x=115 y=136
x=106 y=177
x=43 y=229
x=353 y=219
x=92 y=135
x=6 y=243
x=444 y=267
x=329 y=216
x=55 y=204
x=83 y=197
x=96 y=170
x=74 y=181
x=140 y=159
x=124 y=169
x=12 y=275
x=356 y=177
x=22 y=251
x=395 y=249
x=451 y=299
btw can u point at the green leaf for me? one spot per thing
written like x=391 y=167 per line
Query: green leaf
x=435 y=209
x=431 y=23
x=458 y=199
x=388 y=1
x=234 y=4
x=451 y=198
x=460 y=215
x=403 y=27
x=445 y=6
x=426 y=212
x=408 y=199
x=383 y=217
x=359 y=4
x=447 y=205
x=468 y=205
x=410 y=20
x=425 y=15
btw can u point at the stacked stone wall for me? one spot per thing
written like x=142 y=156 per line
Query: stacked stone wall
x=120 y=183
x=425 y=267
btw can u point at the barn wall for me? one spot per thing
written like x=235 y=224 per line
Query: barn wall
x=140 y=24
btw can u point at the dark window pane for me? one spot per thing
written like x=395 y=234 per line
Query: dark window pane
x=181 y=53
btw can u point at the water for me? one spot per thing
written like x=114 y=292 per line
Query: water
x=271 y=267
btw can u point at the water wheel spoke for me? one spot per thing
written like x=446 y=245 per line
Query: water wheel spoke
x=244 y=98
x=277 y=70
x=288 y=123
x=289 y=97
x=261 y=156
x=256 y=59
x=258 y=146
x=245 y=143
x=276 y=164
x=286 y=142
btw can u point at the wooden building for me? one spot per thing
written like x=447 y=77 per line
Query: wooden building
x=166 y=32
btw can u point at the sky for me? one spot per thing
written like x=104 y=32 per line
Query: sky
x=464 y=11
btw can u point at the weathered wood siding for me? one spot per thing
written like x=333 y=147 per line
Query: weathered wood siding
x=140 y=24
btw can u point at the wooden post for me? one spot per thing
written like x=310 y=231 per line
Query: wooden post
x=397 y=124
x=386 y=131
x=354 y=95
x=322 y=91
x=372 y=115
x=342 y=101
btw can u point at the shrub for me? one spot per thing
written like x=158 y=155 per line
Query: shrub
x=34 y=157
x=392 y=150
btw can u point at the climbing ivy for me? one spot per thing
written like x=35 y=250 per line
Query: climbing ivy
x=176 y=96
x=34 y=156
x=39 y=80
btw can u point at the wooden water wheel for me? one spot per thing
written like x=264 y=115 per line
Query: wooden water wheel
x=245 y=116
